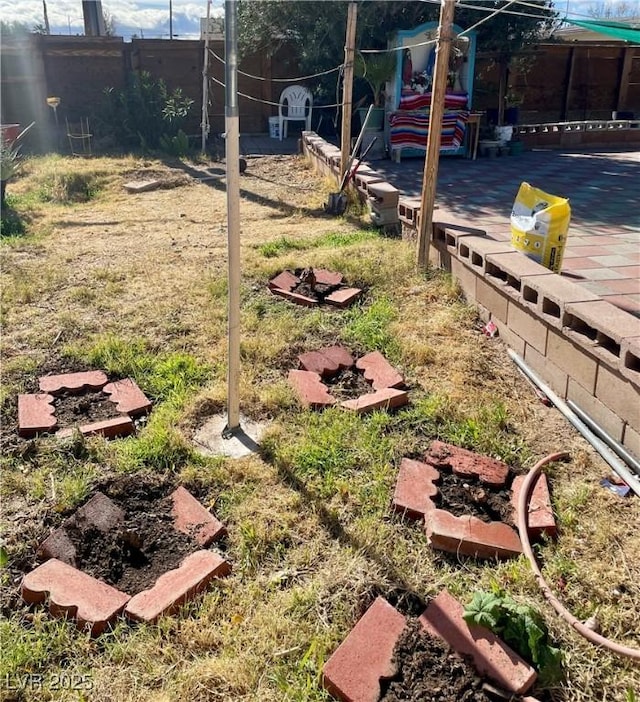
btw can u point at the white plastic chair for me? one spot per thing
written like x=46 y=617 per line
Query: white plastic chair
x=296 y=98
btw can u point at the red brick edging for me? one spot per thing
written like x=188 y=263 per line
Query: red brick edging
x=354 y=671
x=75 y=594
x=416 y=488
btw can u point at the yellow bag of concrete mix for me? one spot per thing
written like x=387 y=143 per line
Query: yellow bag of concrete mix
x=539 y=225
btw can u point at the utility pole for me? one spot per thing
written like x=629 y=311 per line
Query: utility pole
x=170 y=19
x=47 y=29
x=430 y=176
x=232 y=126
x=347 y=86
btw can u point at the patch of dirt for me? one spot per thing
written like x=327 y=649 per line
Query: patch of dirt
x=429 y=671
x=349 y=384
x=134 y=556
x=468 y=496
x=81 y=409
x=316 y=291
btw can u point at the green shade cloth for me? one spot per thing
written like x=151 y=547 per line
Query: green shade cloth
x=615 y=29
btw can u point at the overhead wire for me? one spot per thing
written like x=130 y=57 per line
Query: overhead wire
x=372 y=51
x=280 y=80
x=264 y=102
x=462 y=33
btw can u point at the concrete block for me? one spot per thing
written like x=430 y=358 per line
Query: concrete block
x=465 y=277
x=619 y=395
x=596 y=410
x=600 y=327
x=553 y=376
x=473 y=250
x=527 y=326
x=492 y=298
x=550 y=294
x=510 y=338
x=631 y=440
x=573 y=359
x=508 y=269
x=630 y=359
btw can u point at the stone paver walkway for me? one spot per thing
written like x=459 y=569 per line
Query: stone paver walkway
x=603 y=248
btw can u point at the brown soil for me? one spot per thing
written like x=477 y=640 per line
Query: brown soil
x=319 y=291
x=429 y=671
x=83 y=408
x=349 y=384
x=468 y=496
x=146 y=545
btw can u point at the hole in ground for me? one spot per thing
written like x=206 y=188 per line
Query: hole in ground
x=464 y=496
x=135 y=553
x=348 y=384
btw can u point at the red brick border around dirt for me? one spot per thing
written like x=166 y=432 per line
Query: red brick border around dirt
x=73 y=382
x=36 y=414
x=284 y=283
x=329 y=361
x=74 y=594
x=491 y=656
x=354 y=671
x=416 y=488
x=176 y=586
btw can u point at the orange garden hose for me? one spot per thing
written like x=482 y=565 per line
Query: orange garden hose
x=523 y=511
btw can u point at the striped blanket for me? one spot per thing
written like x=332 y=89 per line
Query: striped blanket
x=415 y=101
x=409 y=130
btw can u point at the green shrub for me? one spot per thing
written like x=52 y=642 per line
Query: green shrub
x=144 y=112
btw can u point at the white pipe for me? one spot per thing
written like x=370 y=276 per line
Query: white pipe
x=232 y=126
x=632 y=462
x=609 y=456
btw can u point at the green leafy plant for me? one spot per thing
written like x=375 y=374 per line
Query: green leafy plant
x=145 y=112
x=519 y=626
x=376 y=69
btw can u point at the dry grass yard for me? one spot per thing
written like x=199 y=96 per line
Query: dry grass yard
x=95 y=278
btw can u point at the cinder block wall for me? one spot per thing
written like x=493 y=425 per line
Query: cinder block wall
x=584 y=348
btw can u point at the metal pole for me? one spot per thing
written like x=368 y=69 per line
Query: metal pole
x=205 y=83
x=347 y=86
x=232 y=126
x=430 y=176
x=170 y=19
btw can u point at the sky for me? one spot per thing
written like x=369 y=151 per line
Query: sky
x=150 y=18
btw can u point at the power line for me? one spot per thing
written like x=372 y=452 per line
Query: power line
x=463 y=33
x=264 y=102
x=279 y=80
